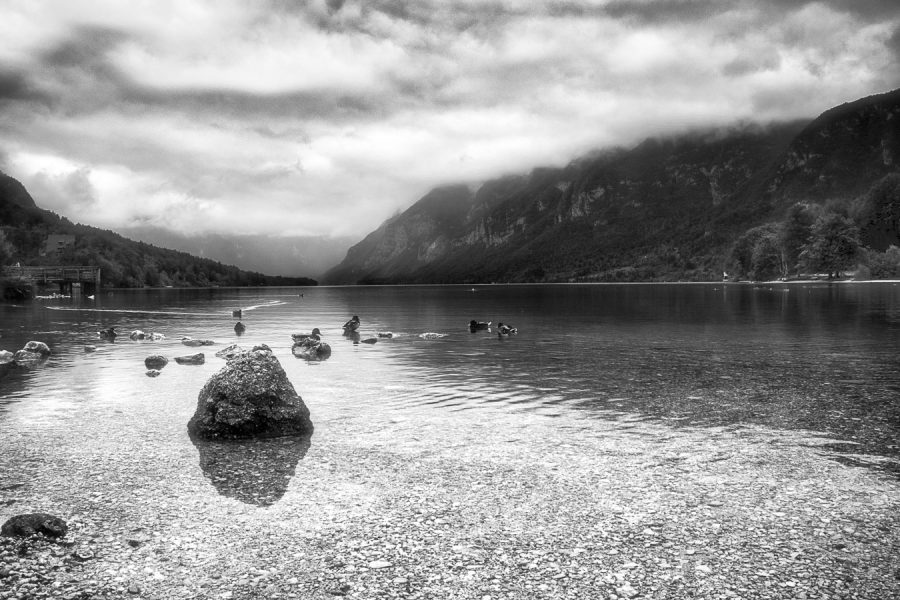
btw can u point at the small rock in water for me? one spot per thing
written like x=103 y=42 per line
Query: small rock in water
x=153 y=372
x=90 y=348
x=156 y=361
x=193 y=359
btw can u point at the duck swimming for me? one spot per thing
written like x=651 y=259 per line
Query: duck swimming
x=299 y=337
x=351 y=325
x=479 y=325
x=505 y=330
x=311 y=348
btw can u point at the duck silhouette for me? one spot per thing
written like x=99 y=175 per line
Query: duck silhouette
x=506 y=330
x=299 y=337
x=351 y=325
x=479 y=325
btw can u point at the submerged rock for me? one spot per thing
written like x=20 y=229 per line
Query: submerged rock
x=239 y=328
x=90 y=348
x=31 y=523
x=193 y=359
x=153 y=372
x=250 y=397
x=192 y=342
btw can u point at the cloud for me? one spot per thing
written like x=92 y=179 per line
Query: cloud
x=66 y=191
x=329 y=115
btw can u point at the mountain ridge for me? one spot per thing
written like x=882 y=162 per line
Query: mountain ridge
x=669 y=208
x=25 y=227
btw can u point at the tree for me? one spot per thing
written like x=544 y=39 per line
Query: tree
x=766 y=261
x=756 y=254
x=794 y=234
x=833 y=245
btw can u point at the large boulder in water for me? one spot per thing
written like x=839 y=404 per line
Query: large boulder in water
x=250 y=397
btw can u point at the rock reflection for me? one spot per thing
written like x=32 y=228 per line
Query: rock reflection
x=254 y=471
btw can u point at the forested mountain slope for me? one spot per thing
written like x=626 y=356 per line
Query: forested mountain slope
x=668 y=209
x=24 y=230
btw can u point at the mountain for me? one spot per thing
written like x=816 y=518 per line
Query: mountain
x=287 y=256
x=26 y=228
x=668 y=209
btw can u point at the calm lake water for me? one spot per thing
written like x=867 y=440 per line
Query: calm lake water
x=819 y=357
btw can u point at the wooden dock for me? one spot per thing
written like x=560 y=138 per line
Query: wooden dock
x=71 y=280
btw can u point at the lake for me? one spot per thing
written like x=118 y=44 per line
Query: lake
x=685 y=364
x=813 y=356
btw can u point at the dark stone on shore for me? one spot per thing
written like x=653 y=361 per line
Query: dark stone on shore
x=250 y=397
x=193 y=342
x=33 y=523
x=253 y=471
x=193 y=359
x=155 y=361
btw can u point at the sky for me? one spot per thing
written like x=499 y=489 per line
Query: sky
x=289 y=118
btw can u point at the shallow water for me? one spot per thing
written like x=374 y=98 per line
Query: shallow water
x=817 y=357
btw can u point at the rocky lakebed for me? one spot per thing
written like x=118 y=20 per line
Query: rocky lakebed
x=390 y=500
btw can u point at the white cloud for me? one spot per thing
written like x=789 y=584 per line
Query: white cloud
x=326 y=117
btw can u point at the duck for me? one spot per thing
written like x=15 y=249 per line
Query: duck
x=237 y=313
x=239 y=328
x=351 y=325
x=299 y=337
x=505 y=330
x=479 y=325
x=108 y=334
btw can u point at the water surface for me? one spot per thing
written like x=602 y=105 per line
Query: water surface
x=818 y=357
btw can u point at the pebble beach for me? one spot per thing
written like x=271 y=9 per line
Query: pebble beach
x=392 y=501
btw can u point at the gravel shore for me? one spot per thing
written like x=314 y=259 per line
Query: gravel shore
x=417 y=502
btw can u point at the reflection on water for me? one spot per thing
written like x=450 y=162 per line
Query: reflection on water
x=256 y=471
x=819 y=357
